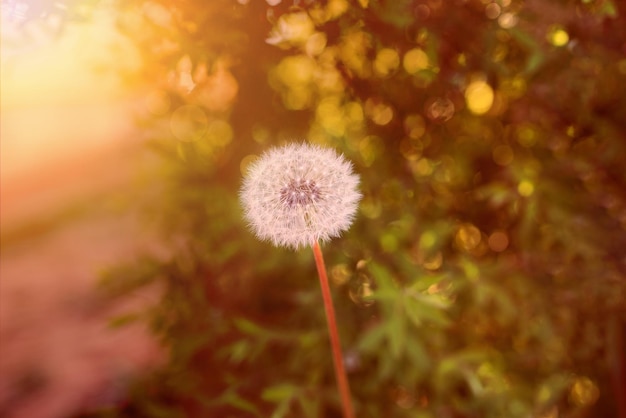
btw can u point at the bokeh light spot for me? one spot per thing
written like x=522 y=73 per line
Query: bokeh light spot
x=296 y=70
x=380 y=113
x=335 y=8
x=297 y=98
x=315 y=44
x=411 y=150
x=571 y=131
x=513 y=87
x=291 y=28
x=260 y=134
x=330 y=116
x=354 y=112
x=422 y=11
x=500 y=52
x=369 y=147
x=415 y=126
x=216 y=91
x=361 y=292
x=371 y=208
x=415 y=60
x=387 y=60
x=189 y=123
x=552 y=412
x=557 y=36
x=479 y=97
x=245 y=163
x=507 y=20
x=340 y=274
x=421 y=167
x=471 y=271
x=493 y=10
x=439 y=109
x=498 y=241
x=526 y=135
x=354 y=48
x=433 y=262
x=545 y=391
x=403 y=398
x=389 y=242
x=503 y=155
x=329 y=80
x=584 y=392
x=467 y=237
x=525 y=188
x=428 y=240
x=219 y=132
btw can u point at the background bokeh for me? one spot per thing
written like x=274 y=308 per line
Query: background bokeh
x=484 y=275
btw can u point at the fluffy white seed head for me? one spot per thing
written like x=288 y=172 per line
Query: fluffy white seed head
x=298 y=194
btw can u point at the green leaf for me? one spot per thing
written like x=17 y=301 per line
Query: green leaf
x=536 y=55
x=309 y=406
x=396 y=13
x=373 y=339
x=250 y=328
x=434 y=301
x=387 y=364
x=397 y=333
x=461 y=360
x=161 y=411
x=383 y=276
x=239 y=351
x=422 y=314
x=426 y=310
x=387 y=290
x=608 y=9
x=123 y=320
x=418 y=356
x=424 y=282
x=281 y=410
x=279 y=393
x=186 y=348
x=233 y=399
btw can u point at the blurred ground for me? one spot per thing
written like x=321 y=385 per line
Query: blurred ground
x=59 y=355
x=67 y=176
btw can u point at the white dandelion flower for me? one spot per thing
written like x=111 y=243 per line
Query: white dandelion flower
x=299 y=194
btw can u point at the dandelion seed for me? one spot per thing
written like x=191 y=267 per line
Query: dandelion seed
x=297 y=210
x=299 y=194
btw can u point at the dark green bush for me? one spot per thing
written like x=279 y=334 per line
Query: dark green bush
x=485 y=274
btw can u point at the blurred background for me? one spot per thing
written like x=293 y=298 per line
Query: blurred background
x=70 y=149
x=484 y=275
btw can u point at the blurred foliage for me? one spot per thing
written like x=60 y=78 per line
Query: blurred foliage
x=485 y=274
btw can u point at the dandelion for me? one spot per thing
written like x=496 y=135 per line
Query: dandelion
x=296 y=196
x=299 y=194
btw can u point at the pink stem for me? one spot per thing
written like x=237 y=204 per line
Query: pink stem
x=340 y=371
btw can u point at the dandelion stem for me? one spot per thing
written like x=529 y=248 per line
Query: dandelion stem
x=340 y=371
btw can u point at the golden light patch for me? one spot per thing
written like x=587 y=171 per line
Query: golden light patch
x=479 y=97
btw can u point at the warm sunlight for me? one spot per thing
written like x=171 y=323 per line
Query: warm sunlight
x=43 y=63
x=63 y=102
x=68 y=142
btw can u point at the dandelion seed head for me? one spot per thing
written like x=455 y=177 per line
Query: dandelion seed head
x=298 y=194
